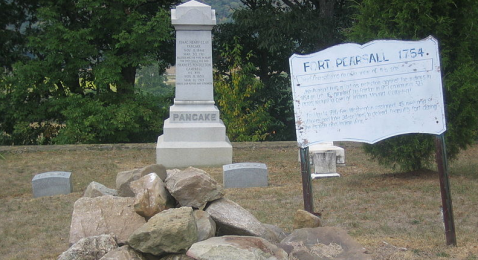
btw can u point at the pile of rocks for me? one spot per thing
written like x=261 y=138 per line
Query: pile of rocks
x=156 y=213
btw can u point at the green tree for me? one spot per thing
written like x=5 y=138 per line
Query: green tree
x=152 y=79
x=244 y=113
x=83 y=48
x=453 y=23
x=223 y=8
x=16 y=20
x=272 y=31
x=90 y=120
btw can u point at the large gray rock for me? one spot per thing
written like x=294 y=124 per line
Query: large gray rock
x=170 y=172
x=176 y=257
x=123 y=179
x=96 y=189
x=305 y=219
x=193 y=187
x=123 y=253
x=170 y=231
x=104 y=215
x=151 y=195
x=159 y=169
x=279 y=232
x=327 y=243
x=206 y=226
x=90 y=248
x=236 y=248
x=232 y=219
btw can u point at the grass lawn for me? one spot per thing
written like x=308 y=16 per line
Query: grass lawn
x=393 y=215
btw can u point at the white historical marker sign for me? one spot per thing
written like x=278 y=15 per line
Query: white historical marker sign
x=367 y=93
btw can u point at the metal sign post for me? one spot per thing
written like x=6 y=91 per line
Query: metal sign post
x=445 y=190
x=306 y=179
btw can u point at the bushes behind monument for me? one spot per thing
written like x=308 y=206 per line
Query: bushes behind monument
x=85 y=119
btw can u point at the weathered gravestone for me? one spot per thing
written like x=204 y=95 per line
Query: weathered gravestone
x=325 y=165
x=193 y=135
x=51 y=183
x=245 y=175
x=329 y=146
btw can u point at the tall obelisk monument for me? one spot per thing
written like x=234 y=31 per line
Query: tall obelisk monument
x=193 y=135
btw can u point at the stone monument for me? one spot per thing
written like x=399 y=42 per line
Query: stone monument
x=193 y=135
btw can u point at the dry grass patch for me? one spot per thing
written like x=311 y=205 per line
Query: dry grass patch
x=394 y=215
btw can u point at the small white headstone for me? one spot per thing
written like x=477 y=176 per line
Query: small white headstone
x=51 y=183
x=245 y=175
x=325 y=165
x=325 y=162
x=324 y=147
x=329 y=146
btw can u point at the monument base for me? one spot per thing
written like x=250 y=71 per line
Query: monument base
x=185 y=154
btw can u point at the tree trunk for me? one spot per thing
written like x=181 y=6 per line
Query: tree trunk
x=127 y=85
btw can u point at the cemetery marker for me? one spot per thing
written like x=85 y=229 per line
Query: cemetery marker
x=245 y=175
x=367 y=93
x=193 y=135
x=51 y=183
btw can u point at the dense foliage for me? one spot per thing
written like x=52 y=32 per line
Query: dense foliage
x=152 y=80
x=453 y=23
x=71 y=68
x=71 y=77
x=269 y=32
x=16 y=20
x=243 y=111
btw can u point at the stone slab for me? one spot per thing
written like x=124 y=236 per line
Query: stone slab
x=185 y=154
x=193 y=132
x=245 y=175
x=51 y=183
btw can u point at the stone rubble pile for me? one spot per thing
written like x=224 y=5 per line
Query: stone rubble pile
x=159 y=214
